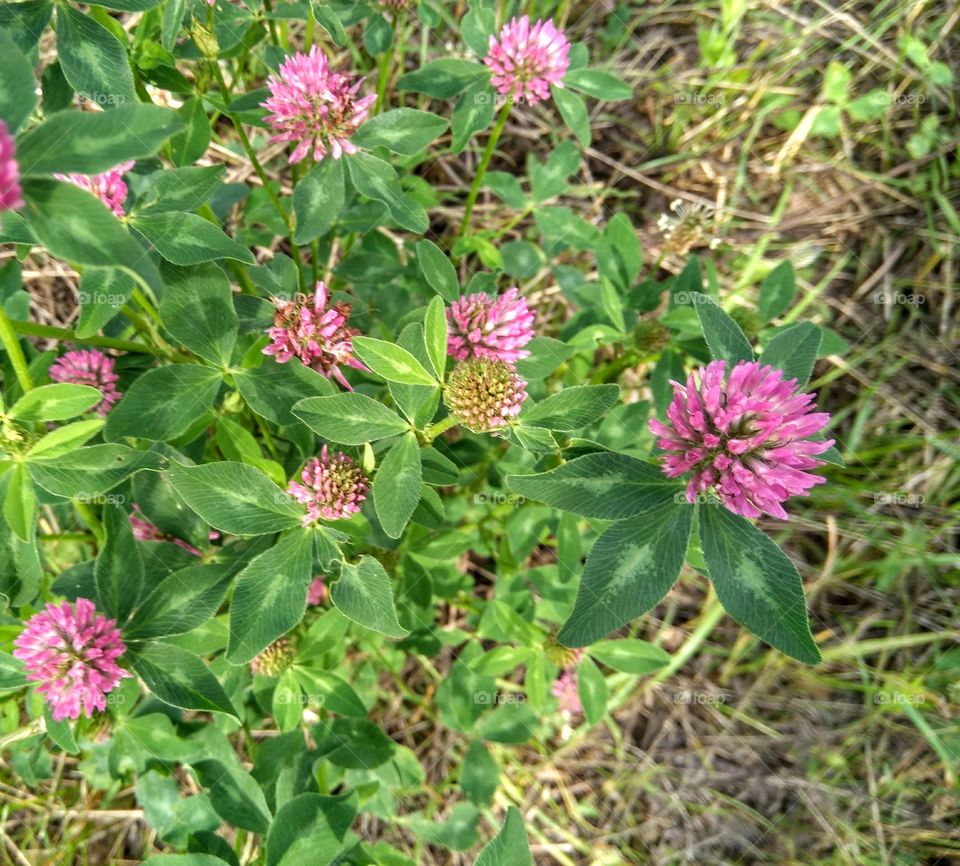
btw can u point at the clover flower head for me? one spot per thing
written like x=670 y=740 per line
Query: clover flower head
x=316 y=334
x=89 y=367
x=483 y=326
x=333 y=487
x=527 y=59
x=72 y=652
x=109 y=186
x=11 y=196
x=484 y=394
x=746 y=436
x=314 y=107
x=275 y=659
x=317 y=592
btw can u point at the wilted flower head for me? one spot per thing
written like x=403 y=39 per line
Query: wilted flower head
x=528 y=59
x=484 y=394
x=746 y=437
x=333 y=487
x=689 y=228
x=315 y=107
x=317 y=593
x=72 y=651
x=482 y=326
x=89 y=367
x=319 y=336
x=108 y=186
x=11 y=197
x=274 y=660
x=566 y=688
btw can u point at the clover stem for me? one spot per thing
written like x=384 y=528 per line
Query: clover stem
x=90 y=518
x=484 y=163
x=14 y=352
x=383 y=76
x=434 y=430
x=712 y=614
x=257 y=167
x=32 y=329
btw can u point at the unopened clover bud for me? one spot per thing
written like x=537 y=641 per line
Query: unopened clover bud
x=205 y=40
x=233 y=402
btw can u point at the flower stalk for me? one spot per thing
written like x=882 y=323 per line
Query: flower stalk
x=17 y=360
x=484 y=164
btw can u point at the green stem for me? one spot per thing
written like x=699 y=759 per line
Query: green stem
x=383 y=76
x=150 y=324
x=434 y=430
x=264 y=180
x=248 y=149
x=708 y=622
x=519 y=218
x=424 y=47
x=267 y=438
x=252 y=156
x=271 y=24
x=31 y=329
x=10 y=342
x=147 y=306
x=484 y=163
x=87 y=513
x=65 y=536
x=315 y=260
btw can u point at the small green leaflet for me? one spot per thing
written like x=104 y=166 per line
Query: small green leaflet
x=630 y=569
x=756 y=582
x=723 y=335
x=605 y=485
x=390 y=361
x=364 y=594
